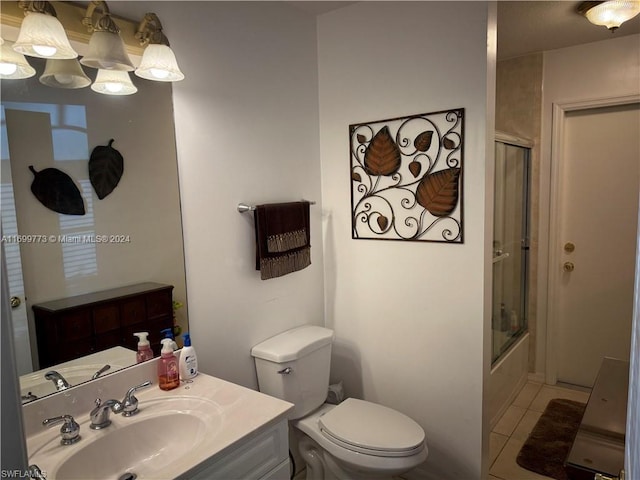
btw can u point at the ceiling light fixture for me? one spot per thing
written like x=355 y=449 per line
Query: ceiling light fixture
x=13 y=65
x=610 y=14
x=113 y=82
x=158 y=60
x=41 y=33
x=64 y=74
x=106 y=48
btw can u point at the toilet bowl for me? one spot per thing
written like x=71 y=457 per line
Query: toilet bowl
x=359 y=440
x=353 y=440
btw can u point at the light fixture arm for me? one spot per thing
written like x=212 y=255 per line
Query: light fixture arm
x=150 y=31
x=37 y=6
x=105 y=23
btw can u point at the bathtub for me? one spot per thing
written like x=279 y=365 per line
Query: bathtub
x=507 y=378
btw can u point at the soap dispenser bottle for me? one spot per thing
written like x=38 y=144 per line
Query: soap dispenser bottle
x=188 y=361
x=144 y=349
x=168 y=375
x=168 y=333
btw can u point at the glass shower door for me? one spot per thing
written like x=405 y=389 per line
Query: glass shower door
x=510 y=246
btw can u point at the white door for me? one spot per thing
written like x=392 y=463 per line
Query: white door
x=597 y=239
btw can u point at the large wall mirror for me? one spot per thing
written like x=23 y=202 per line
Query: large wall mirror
x=52 y=256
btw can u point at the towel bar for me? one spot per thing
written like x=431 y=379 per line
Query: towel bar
x=242 y=207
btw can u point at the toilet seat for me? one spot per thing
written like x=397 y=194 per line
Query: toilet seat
x=372 y=429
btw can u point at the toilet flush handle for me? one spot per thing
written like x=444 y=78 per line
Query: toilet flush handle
x=285 y=371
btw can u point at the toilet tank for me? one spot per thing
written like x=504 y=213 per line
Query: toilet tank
x=294 y=366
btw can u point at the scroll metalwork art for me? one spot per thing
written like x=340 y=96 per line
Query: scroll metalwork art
x=406 y=178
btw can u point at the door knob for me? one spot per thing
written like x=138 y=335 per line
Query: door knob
x=569 y=247
x=568 y=266
x=15 y=302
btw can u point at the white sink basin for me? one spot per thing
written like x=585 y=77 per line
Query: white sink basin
x=146 y=444
x=39 y=386
x=77 y=371
x=146 y=448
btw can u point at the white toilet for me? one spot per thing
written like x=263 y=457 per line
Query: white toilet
x=352 y=440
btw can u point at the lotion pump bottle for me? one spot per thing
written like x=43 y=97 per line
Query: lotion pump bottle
x=168 y=375
x=188 y=360
x=144 y=349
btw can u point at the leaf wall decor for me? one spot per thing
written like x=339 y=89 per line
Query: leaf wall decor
x=423 y=141
x=415 y=168
x=57 y=191
x=407 y=178
x=438 y=192
x=106 y=167
x=382 y=156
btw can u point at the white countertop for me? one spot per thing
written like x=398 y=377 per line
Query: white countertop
x=232 y=413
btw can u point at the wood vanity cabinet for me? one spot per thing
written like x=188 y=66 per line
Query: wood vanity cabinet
x=72 y=327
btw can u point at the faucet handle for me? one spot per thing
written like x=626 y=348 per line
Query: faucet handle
x=101 y=371
x=130 y=402
x=70 y=430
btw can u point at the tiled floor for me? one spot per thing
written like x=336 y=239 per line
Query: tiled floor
x=514 y=427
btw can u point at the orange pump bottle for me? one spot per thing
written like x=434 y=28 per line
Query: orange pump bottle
x=168 y=373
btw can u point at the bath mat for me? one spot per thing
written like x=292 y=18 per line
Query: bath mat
x=549 y=442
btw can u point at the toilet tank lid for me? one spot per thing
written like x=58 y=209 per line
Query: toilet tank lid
x=293 y=344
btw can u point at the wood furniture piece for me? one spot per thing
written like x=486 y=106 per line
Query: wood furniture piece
x=599 y=443
x=72 y=327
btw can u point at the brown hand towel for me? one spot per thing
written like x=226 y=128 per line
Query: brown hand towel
x=282 y=238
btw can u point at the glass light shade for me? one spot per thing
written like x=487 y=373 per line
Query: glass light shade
x=64 y=74
x=106 y=51
x=613 y=13
x=113 y=82
x=13 y=65
x=43 y=36
x=159 y=63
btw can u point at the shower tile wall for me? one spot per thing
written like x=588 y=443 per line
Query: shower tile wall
x=519 y=112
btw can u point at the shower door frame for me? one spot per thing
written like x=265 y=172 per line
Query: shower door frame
x=521 y=142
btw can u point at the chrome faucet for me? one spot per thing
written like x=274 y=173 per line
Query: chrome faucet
x=130 y=402
x=70 y=430
x=100 y=372
x=100 y=414
x=58 y=380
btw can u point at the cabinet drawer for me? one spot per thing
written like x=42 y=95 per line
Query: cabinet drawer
x=74 y=325
x=134 y=311
x=108 y=340
x=106 y=318
x=159 y=303
x=70 y=350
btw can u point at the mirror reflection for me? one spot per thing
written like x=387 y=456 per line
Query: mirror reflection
x=130 y=237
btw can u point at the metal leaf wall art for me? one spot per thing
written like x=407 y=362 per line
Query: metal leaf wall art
x=57 y=191
x=106 y=167
x=406 y=178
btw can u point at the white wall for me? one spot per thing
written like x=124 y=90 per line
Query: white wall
x=247 y=131
x=598 y=70
x=410 y=317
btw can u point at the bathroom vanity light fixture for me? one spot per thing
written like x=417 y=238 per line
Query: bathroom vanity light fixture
x=113 y=82
x=13 y=65
x=106 y=48
x=41 y=34
x=158 y=60
x=610 y=14
x=64 y=74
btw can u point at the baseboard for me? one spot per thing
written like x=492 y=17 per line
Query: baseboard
x=536 y=377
